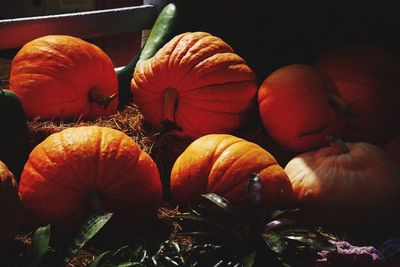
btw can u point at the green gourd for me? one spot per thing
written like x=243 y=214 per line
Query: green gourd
x=160 y=34
x=13 y=133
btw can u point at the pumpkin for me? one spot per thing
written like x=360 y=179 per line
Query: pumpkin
x=368 y=77
x=14 y=132
x=300 y=107
x=80 y=170
x=393 y=149
x=10 y=207
x=222 y=164
x=59 y=76
x=353 y=181
x=195 y=85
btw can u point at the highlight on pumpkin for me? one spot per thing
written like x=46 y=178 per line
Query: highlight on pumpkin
x=223 y=164
x=194 y=85
x=80 y=170
x=64 y=77
x=351 y=180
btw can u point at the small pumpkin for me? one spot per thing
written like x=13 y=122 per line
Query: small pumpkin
x=195 y=85
x=59 y=76
x=14 y=132
x=367 y=77
x=11 y=209
x=354 y=182
x=79 y=170
x=300 y=107
x=222 y=164
x=393 y=149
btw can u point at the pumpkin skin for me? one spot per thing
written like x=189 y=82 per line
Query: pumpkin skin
x=393 y=149
x=14 y=132
x=59 y=76
x=354 y=181
x=196 y=84
x=300 y=107
x=67 y=169
x=10 y=207
x=222 y=164
x=368 y=77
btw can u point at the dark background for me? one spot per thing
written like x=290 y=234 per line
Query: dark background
x=271 y=34
x=267 y=33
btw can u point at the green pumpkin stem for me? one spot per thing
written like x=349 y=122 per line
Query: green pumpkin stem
x=337 y=145
x=96 y=96
x=170 y=102
x=95 y=202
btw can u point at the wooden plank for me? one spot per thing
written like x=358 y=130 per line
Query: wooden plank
x=16 y=32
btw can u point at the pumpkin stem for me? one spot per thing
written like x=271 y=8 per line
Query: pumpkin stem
x=338 y=104
x=94 y=200
x=337 y=145
x=170 y=102
x=96 y=96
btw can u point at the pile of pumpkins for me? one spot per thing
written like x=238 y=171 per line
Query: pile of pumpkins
x=198 y=87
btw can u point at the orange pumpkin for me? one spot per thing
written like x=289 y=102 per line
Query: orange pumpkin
x=354 y=182
x=11 y=210
x=393 y=149
x=78 y=170
x=222 y=164
x=58 y=76
x=368 y=77
x=300 y=107
x=195 y=84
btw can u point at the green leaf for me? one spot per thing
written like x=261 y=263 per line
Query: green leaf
x=249 y=260
x=278 y=223
x=98 y=259
x=87 y=231
x=217 y=202
x=40 y=242
x=190 y=217
x=279 y=213
x=311 y=239
x=274 y=241
x=126 y=264
x=121 y=251
x=195 y=234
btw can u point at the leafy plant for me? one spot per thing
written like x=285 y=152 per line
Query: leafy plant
x=252 y=234
x=87 y=231
x=225 y=235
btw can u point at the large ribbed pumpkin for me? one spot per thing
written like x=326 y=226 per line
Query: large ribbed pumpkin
x=11 y=211
x=222 y=164
x=346 y=183
x=196 y=83
x=78 y=170
x=58 y=76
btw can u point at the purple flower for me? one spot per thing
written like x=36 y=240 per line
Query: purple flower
x=349 y=255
